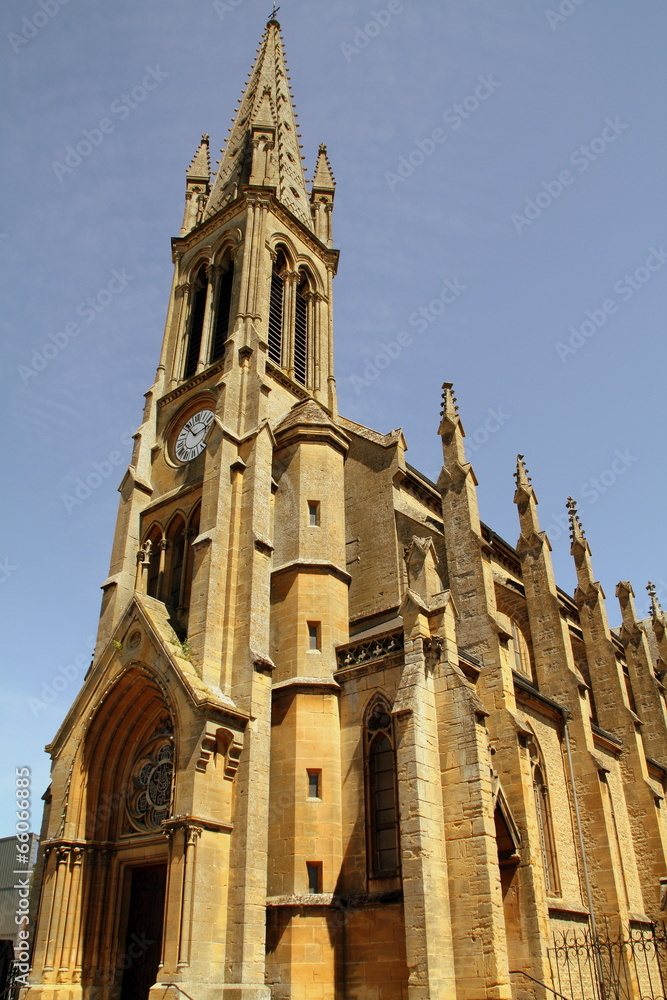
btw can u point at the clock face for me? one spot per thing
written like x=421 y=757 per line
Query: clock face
x=191 y=439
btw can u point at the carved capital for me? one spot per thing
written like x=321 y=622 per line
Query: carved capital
x=191 y=834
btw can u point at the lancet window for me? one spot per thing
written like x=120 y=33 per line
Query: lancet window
x=301 y=329
x=223 y=309
x=196 y=330
x=544 y=821
x=276 y=308
x=381 y=791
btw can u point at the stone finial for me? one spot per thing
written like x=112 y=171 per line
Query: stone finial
x=449 y=407
x=523 y=480
x=576 y=531
x=656 y=608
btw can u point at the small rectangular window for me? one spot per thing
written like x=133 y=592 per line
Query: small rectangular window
x=314 y=784
x=313 y=513
x=313 y=635
x=314 y=870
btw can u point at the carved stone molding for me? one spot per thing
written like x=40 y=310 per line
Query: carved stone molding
x=371 y=649
x=218 y=740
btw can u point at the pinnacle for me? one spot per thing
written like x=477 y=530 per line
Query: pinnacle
x=576 y=531
x=323 y=178
x=449 y=406
x=200 y=165
x=521 y=476
x=656 y=608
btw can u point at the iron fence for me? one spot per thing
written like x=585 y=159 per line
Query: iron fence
x=628 y=964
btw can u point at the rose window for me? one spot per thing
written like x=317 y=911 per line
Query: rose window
x=150 y=794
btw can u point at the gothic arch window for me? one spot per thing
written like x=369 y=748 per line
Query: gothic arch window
x=301 y=324
x=276 y=308
x=544 y=820
x=153 y=547
x=223 y=311
x=381 y=791
x=174 y=576
x=191 y=534
x=520 y=651
x=197 y=312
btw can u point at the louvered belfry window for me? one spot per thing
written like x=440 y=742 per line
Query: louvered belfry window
x=223 y=308
x=276 y=311
x=301 y=333
x=196 y=324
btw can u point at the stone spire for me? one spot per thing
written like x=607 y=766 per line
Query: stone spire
x=265 y=118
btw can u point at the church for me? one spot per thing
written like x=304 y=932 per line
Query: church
x=339 y=740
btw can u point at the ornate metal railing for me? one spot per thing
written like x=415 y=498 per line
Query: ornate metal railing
x=630 y=964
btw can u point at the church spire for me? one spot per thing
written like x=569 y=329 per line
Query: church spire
x=263 y=145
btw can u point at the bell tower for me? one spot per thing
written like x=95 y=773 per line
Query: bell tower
x=227 y=575
x=249 y=328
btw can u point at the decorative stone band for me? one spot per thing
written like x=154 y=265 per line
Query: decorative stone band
x=372 y=649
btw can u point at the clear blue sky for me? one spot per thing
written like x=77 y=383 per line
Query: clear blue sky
x=448 y=126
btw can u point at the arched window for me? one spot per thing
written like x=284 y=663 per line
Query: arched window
x=176 y=560
x=521 y=653
x=223 y=309
x=381 y=791
x=153 y=547
x=544 y=821
x=301 y=329
x=276 y=302
x=191 y=534
x=197 y=312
